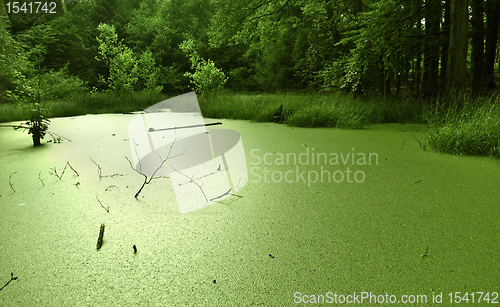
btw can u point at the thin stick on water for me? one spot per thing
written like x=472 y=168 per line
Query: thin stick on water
x=11 y=279
x=10 y=182
x=97 y=197
x=99 y=171
x=72 y=168
x=100 y=238
x=426 y=251
x=54 y=171
x=40 y=178
x=153 y=176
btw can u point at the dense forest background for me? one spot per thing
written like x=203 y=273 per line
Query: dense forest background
x=424 y=49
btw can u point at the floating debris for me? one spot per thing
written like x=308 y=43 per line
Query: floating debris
x=101 y=235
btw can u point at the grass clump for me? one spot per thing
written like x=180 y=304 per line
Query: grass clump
x=86 y=103
x=472 y=128
x=12 y=112
x=311 y=110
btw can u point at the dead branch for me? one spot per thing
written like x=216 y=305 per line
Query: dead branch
x=67 y=163
x=11 y=279
x=196 y=183
x=109 y=188
x=52 y=134
x=54 y=172
x=97 y=197
x=10 y=182
x=40 y=178
x=146 y=179
x=99 y=171
x=100 y=238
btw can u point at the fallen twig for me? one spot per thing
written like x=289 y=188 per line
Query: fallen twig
x=11 y=279
x=101 y=235
x=97 y=197
x=146 y=180
x=57 y=137
x=40 y=178
x=99 y=171
x=426 y=250
x=183 y=127
x=199 y=186
x=67 y=163
x=10 y=182
x=109 y=188
x=54 y=173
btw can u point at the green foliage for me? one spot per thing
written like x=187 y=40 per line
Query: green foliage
x=38 y=121
x=149 y=73
x=207 y=78
x=13 y=64
x=55 y=85
x=119 y=58
x=85 y=103
x=125 y=69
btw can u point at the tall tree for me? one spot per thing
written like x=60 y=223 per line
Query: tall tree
x=445 y=41
x=417 y=71
x=492 y=23
x=477 y=55
x=431 y=53
x=457 y=52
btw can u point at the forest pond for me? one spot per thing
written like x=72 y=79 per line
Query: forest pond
x=324 y=210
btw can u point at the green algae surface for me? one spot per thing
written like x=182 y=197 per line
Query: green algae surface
x=404 y=222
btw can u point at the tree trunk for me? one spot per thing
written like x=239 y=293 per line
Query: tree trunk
x=431 y=52
x=357 y=6
x=64 y=6
x=446 y=42
x=477 y=55
x=36 y=138
x=492 y=23
x=457 y=52
x=417 y=74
